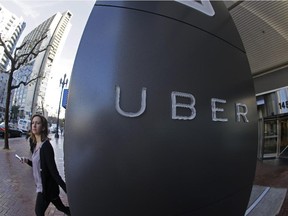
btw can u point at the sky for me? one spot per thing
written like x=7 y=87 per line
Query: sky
x=34 y=13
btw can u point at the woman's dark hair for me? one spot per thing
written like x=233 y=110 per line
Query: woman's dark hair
x=44 y=132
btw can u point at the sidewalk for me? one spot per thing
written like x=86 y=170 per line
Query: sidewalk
x=274 y=173
x=17 y=187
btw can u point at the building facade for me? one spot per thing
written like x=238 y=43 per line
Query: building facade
x=31 y=98
x=11 y=28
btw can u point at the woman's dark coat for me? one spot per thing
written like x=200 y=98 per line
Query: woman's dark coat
x=49 y=172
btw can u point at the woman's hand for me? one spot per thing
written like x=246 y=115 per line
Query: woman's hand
x=24 y=160
x=21 y=159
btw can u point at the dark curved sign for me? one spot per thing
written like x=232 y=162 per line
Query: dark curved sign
x=161 y=116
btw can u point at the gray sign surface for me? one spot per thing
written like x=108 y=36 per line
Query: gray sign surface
x=161 y=114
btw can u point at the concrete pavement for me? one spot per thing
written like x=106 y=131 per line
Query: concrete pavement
x=17 y=188
x=265 y=201
x=274 y=174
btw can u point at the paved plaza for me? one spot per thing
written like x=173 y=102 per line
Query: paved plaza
x=17 y=187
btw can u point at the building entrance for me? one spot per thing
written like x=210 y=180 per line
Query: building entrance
x=273 y=137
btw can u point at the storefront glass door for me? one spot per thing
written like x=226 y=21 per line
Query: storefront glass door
x=274 y=138
x=270 y=139
x=284 y=138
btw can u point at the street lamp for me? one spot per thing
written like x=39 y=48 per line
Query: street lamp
x=62 y=84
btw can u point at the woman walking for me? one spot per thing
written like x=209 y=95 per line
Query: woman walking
x=45 y=172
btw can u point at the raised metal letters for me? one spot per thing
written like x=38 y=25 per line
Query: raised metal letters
x=217 y=109
x=241 y=110
x=242 y=114
x=190 y=106
x=130 y=114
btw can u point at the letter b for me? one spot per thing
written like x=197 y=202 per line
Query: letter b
x=175 y=105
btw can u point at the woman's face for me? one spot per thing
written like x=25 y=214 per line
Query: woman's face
x=36 y=125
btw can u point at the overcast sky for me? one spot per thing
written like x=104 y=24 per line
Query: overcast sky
x=34 y=13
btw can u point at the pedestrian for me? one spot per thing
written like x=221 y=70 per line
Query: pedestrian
x=45 y=172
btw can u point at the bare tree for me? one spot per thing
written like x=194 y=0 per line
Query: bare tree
x=16 y=62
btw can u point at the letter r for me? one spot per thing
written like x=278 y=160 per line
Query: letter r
x=241 y=112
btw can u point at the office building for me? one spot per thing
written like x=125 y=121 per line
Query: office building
x=31 y=98
x=11 y=28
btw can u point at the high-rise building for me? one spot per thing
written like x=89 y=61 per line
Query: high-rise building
x=31 y=98
x=11 y=28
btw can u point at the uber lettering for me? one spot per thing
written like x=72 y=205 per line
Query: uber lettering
x=241 y=109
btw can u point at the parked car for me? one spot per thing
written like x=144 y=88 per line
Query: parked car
x=24 y=125
x=53 y=127
x=12 y=130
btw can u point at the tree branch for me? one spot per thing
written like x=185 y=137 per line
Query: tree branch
x=19 y=48
x=24 y=83
x=31 y=52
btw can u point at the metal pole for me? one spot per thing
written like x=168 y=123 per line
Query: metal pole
x=62 y=83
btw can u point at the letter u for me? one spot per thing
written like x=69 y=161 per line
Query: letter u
x=130 y=114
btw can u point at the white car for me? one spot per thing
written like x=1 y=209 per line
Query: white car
x=24 y=125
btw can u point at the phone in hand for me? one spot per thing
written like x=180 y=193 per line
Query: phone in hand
x=17 y=156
